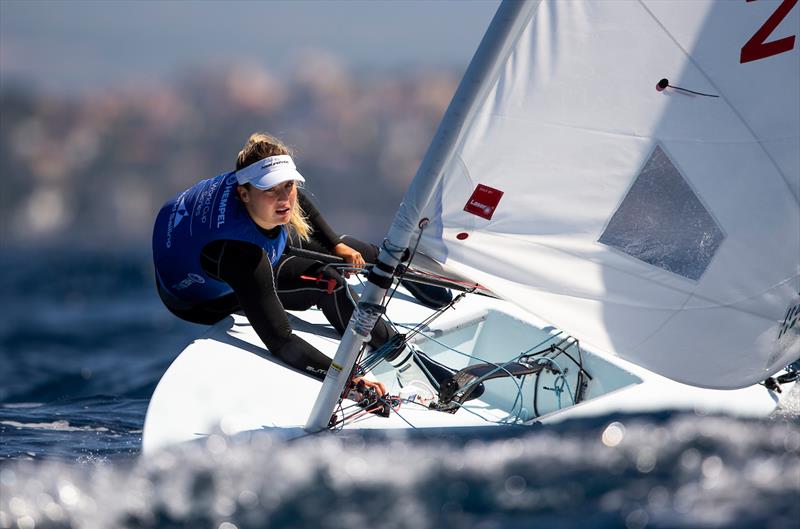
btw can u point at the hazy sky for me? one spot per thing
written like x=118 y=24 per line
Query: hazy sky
x=69 y=45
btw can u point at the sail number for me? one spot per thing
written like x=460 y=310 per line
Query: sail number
x=757 y=48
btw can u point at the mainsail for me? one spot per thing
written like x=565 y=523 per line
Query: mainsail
x=656 y=223
x=628 y=171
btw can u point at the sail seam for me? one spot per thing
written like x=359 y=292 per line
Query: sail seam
x=729 y=305
x=651 y=137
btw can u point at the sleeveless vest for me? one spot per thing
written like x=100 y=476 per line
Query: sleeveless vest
x=208 y=211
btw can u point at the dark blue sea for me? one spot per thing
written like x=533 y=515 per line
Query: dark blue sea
x=84 y=340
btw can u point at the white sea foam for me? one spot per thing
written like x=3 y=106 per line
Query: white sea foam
x=21 y=405
x=684 y=471
x=60 y=426
x=789 y=404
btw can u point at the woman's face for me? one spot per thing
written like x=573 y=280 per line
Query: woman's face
x=271 y=207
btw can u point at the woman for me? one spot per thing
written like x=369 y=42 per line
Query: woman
x=219 y=247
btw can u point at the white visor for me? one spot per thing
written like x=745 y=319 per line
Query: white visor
x=269 y=172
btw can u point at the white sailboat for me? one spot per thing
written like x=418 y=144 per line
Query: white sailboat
x=625 y=177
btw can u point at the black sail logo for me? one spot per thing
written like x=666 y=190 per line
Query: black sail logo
x=791 y=321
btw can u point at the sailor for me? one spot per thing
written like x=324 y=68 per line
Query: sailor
x=218 y=248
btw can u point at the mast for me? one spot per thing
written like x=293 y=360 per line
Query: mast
x=510 y=19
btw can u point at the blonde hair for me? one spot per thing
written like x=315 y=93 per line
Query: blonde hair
x=259 y=146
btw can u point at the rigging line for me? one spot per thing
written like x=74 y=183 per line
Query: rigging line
x=563 y=350
x=431 y=338
x=424 y=323
x=358 y=415
x=426 y=371
x=382 y=399
x=503 y=366
x=423 y=223
x=497 y=366
x=336 y=425
x=379 y=354
x=564 y=378
x=792 y=192
x=466 y=284
x=364 y=408
x=410 y=273
x=410 y=258
x=500 y=421
x=518 y=398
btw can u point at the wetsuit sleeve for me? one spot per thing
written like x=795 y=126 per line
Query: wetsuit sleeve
x=322 y=231
x=246 y=268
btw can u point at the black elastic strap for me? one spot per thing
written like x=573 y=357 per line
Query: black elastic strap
x=385 y=282
x=383 y=267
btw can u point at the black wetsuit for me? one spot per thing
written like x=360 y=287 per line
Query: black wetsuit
x=264 y=294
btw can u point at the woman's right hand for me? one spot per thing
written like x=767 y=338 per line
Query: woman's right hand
x=351 y=256
x=377 y=386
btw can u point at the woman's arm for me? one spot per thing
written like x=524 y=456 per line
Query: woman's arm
x=322 y=231
x=246 y=268
x=324 y=234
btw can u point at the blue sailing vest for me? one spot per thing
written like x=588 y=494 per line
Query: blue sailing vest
x=208 y=211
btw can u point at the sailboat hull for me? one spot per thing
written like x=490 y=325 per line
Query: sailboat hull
x=226 y=381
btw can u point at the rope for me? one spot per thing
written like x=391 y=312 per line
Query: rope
x=559 y=382
x=371 y=360
x=410 y=258
x=398 y=413
x=498 y=367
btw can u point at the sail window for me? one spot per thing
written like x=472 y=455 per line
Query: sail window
x=662 y=222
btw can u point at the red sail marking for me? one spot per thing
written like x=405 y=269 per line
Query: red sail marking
x=483 y=201
x=756 y=48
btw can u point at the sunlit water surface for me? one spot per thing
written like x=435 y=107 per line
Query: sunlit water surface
x=84 y=340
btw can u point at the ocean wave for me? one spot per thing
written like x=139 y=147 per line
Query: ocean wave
x=647 y=471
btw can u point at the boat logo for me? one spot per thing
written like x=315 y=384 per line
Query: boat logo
x=223 y=201
x=181 y=213
x=484 y=201
x=190 y=280
x=175 y=215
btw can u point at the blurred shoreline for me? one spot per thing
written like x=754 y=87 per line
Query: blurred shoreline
x=91 y=170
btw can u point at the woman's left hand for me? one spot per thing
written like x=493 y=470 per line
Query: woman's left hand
x=350 y=256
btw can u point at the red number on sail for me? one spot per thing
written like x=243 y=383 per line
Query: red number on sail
x=756 y=48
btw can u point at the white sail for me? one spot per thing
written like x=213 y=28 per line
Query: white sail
x=660 y=225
